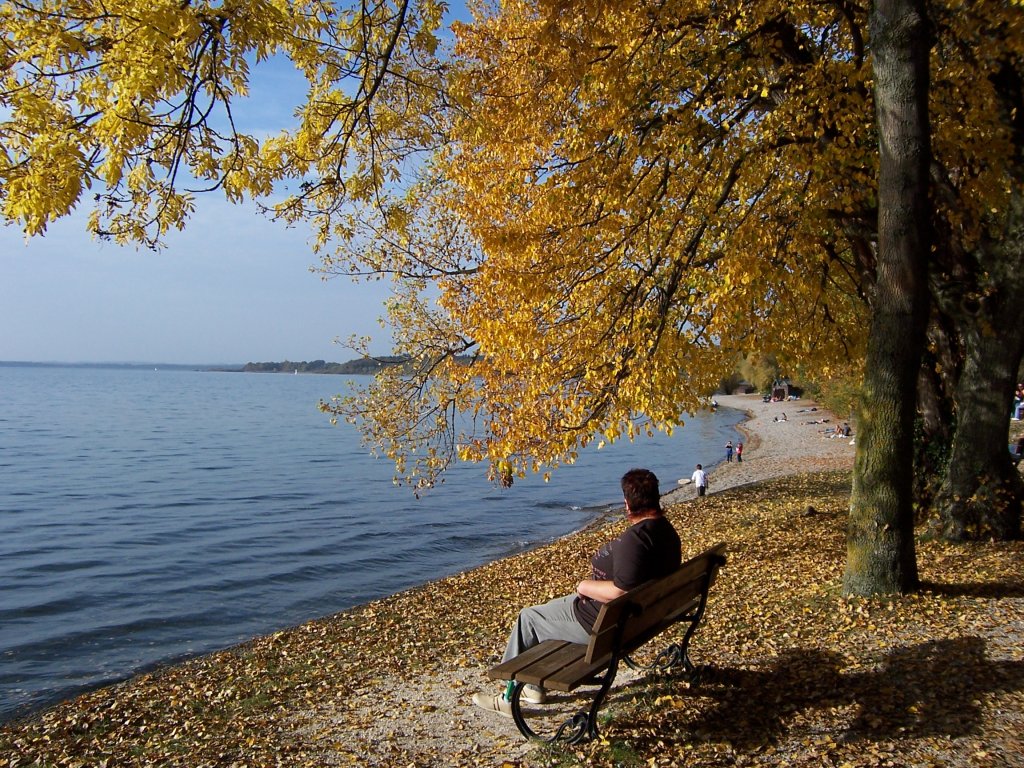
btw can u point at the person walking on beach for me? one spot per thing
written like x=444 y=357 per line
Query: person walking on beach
x=700 y=479
x=648 y=549
x=739 y=453
x=728 y=451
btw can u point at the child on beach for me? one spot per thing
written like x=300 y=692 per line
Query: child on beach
x=700 y=479
x=728 y=451
x=739 y=453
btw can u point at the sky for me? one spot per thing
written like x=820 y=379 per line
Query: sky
x=232 y=288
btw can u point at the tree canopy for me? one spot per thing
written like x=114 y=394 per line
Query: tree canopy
x=632 y=193
x=588 y=209
x=135 y=102
x=644 y=198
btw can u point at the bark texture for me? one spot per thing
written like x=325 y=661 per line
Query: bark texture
x=880 y=541
x=980 y=496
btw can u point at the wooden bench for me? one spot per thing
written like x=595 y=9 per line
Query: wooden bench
x=622 y=627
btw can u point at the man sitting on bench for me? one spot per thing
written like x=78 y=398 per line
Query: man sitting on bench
x=648 y=549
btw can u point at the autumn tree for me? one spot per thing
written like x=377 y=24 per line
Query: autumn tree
x=642 y=201
x=980 y=496
x=129 y=106
x=641 y=190
x=978 y=271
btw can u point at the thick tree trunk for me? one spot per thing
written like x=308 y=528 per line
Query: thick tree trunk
x=880 y=540
x=980 y=497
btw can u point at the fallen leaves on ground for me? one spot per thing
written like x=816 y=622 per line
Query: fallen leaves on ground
x=792 y=673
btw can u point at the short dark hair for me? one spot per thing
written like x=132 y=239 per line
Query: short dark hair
x=640 y=489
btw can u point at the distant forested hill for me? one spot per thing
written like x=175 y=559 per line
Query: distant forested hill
x=366 y=365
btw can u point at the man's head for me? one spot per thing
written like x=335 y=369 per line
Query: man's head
x=640 y=490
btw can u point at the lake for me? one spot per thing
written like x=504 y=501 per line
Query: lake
x=147 y=516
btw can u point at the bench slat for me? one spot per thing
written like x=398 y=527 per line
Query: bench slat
x=643 y=632
x=637 y=629
x=668 y=607
x=508 y=670
x=543 y=663
x=572 y=676
x=552 y=666
x=655 y=589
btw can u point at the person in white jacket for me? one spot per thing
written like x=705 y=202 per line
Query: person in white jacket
x=700 y=479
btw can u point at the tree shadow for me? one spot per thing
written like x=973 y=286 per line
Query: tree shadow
x=823 y=484
x=925 y=690
x=982 y=589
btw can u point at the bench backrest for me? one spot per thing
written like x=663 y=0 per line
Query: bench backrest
x=629 y=621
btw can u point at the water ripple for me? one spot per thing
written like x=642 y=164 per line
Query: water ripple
x=149 y=516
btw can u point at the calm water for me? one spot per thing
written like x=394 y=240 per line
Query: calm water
x=147 y=516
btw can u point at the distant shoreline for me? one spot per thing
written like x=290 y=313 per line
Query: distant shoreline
x=116 y=366
x=357 y=367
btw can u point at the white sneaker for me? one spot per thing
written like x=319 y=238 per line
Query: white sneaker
x=493 y=703
x=533 y=694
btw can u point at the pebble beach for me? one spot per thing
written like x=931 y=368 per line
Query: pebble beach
x=781 y=439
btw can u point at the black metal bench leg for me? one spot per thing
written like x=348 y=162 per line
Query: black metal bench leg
x=517 y=712
x=579 y=727
x=684 y=649
x=672 y=656
x=599 y=697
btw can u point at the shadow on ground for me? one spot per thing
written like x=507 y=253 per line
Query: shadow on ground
x=920 y=691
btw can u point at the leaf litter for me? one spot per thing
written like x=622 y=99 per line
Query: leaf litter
x=791 y=672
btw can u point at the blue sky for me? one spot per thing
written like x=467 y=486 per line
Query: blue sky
x=233 y=288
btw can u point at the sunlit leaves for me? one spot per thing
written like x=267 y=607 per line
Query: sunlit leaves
x=137 y=103
x=635 y=213
x=643 y=192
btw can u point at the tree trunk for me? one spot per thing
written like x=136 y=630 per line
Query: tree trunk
x=980 y=497
x=936 y=382
x=880 y=537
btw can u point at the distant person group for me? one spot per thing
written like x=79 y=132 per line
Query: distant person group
x=730 y=452
x=699 y=479
x=841 y=431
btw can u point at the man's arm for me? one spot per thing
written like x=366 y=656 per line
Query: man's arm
x=602 y=590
